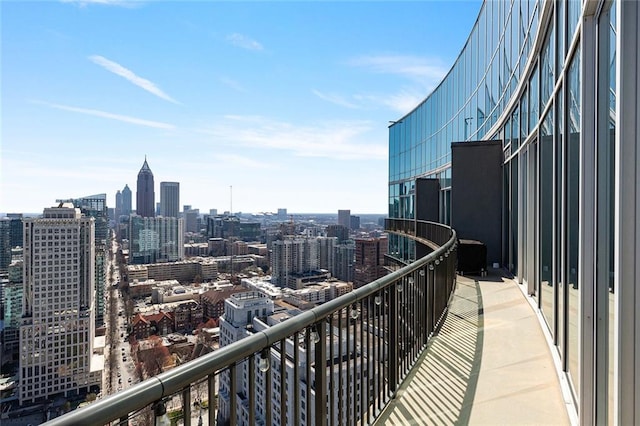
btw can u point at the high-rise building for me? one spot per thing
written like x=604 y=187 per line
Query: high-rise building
x=118 y=208
x=145 y=195
x=170 y=199
x=369 y=265
x=344 y=218
x=10 y=237
x=5 y=243
x=155 y=239
x=282 y=214
x=127 y=207
x=191 y=220
x=343 y=266
x=95 y=206
x=57 y=331
x=293 y=257
x=339 y=231
x=252 y=311
x=12 y=298
x=354 y=222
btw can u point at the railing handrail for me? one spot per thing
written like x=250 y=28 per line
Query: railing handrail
x=173 y=381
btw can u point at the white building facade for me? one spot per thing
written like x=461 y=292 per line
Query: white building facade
x=58 y=307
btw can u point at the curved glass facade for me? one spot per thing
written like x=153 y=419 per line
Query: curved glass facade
x=544 y=78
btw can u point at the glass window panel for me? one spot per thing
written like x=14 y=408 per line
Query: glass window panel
x=547 y=76
x=560 y=19
x=515 y=129
x=524 y=116
x=534 y=108
x=559 y=197
x=573 y=16
x=546 y=217
x=572 y=206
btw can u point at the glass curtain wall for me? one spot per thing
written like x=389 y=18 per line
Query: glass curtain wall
x=499 y=85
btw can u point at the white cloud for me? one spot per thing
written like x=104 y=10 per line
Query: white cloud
x=244 y=42
x=403 y=101
x=428 y=71
x=344 y=140
x=335 y=99
x=121 y=3
x=104 y=114
x=234 y=160
x=232 y=84
x=129 y=75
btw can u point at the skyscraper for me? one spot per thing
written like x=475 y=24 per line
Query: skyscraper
x=369 y=264
x=118 y=209
x=155 y=239
x=169 y=199
x=57 y=331
x=145 y=195
x=126 y=201
x=344 y=218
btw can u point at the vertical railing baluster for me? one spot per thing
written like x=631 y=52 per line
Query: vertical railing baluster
x=186 y=405
x=348 y=363
x=363 y=387
x=211 y=393
x=268 y=406
x=393 y=339
x=321 y=375
x=340 y=386
x=233 y=397
x=283 y=382
x=332 y=384
x=307 y=397
x=251 y=366
x=296 y=376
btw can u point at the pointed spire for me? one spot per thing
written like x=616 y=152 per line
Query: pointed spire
x=145 y=165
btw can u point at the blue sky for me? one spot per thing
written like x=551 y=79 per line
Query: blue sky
x=288 y=102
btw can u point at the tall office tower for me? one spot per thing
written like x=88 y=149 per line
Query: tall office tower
x=118 y=209
x=282 y=214
x=343 y=267
x=344 y=218
x=95 y=206
x=5 y=243
x=191 y=220
x=155 y=239
x=145 y=195
x=354 y=222
x=253 y=312
x=339 y=231
x=213 y=212
x=10 y=237
x=126 y=201
x=369 y=264
x=57 y=331
x=170 y=199
x=12 y=313
x=16 y=228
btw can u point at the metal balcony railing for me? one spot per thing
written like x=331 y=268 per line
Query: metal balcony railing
x=338 y=363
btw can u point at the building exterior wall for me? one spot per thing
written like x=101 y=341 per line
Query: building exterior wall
x=558 y=83
x=145 y=192
x=155 y=239
x=57 y=331
x=369 y=260
x=170 y=199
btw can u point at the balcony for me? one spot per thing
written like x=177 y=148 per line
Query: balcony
x=425 y=345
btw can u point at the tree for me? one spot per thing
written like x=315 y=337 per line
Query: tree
x=153 y=358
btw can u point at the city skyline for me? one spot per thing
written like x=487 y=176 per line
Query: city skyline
x=293 y=96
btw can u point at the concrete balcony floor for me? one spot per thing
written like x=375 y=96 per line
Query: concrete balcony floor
x=490 y=364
